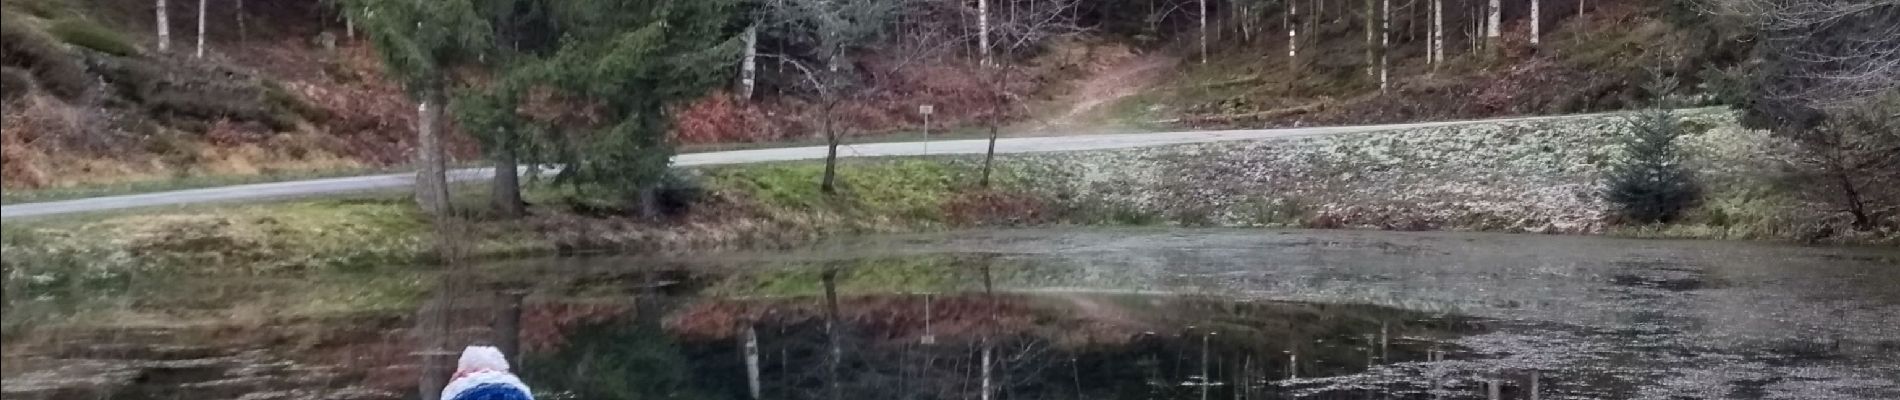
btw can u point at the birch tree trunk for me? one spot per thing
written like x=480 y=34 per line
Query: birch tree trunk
x=1537 y=25
x=748 y=67
x=201 y=28
x=1292 y=34
x=432 y=188
x=983 y=29
x=751 y=338
x=1493 y=21
x=164 y=28
x=1438 y=33
x=836 y=351
x=1207 y=381
x=1203 y=21
x=1385 y=42
x=986 y=370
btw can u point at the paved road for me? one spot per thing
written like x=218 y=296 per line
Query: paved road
x=319 y=187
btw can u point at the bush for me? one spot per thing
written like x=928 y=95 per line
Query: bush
x=1650 y=183
x=91 y=35
x=56 y=70
x=15 y=82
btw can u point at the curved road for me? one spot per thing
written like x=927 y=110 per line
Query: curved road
x=319 y=187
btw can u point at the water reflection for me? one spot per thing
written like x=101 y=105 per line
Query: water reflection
x=1123 y=316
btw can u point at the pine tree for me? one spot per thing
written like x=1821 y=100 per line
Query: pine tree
x=1650 y=183
x=420 y=42
x=629 y=62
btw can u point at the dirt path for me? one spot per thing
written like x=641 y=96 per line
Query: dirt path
x=1115 y=82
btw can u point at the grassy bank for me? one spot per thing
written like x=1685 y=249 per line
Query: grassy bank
x=1538 y=177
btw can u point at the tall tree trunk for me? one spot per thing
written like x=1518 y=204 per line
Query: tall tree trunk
x=1291 y=21
x=1438 y=34
x=243 y=33
x=1292 y=365
x=986 y=370
x=1203 y=18
x=1493 y=26
x=748 y=67
x=1850 y=195
x=983 y=30
x=164 y=28
x=1385 y=44
x=506 y=194
x=1537 y=22
x=996 y=114
x=1372 y=38
x=509 y=327
x=836 y=350
x=1207 y=381
x=751 y=344
x=432 y=186
x=831 y=151
x=201 y=28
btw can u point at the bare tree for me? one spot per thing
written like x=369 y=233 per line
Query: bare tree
x=830 y=30
x=1829 y=79
x=1833 y=52
x=1017 y=34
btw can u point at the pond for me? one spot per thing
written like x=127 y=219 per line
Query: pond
x=1037 y=314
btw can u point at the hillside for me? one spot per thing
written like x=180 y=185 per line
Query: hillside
x=290 y=91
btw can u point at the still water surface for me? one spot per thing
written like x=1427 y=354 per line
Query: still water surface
x=1066 y=314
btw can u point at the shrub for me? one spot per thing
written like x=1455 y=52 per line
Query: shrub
x=1650 y=183
x=56 y=70
x=15 y=82
x=91 y=35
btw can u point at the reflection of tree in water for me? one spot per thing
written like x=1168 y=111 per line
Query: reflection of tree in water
x=619 y=359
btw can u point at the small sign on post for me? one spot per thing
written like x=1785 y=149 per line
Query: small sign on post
x=926 y=110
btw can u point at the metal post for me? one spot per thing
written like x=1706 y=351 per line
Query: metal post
x=926 y=110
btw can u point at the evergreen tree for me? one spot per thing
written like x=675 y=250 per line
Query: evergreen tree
x=620 y=65
x=1650 y=183
x=420 y=42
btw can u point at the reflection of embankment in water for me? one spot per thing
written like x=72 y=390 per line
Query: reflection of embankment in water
x=1125 y=314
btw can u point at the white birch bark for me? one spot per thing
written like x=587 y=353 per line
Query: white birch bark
x=201 y=28
x=1493 y=21
x=1292 y=32
x=1537 y=22
x=752 y=360
x=1203 y=17
x=1438 y=33
x=983 y=29
x=1385 y=42
x=164 y=28
x=748 y=67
